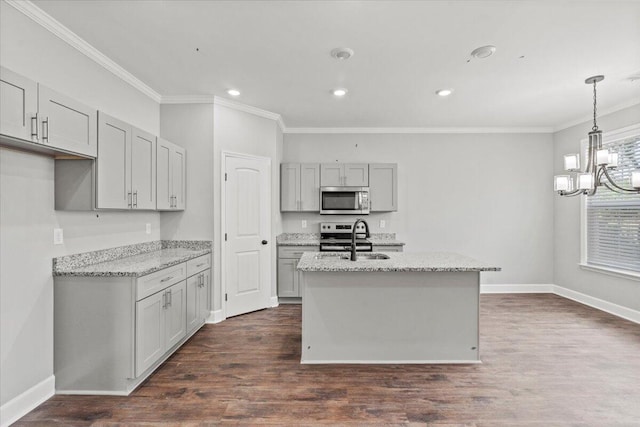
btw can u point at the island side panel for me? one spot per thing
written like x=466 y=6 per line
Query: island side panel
x=390 y=317
x=94 y=334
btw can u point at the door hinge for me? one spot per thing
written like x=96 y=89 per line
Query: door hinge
x=225 y=237
x=225 y=297
x=225 y=176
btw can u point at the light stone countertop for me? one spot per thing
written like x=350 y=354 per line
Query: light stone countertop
x=133 y=260
x=313 y=239
x=397 y=262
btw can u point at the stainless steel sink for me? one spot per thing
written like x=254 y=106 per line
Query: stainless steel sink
x=369 y=257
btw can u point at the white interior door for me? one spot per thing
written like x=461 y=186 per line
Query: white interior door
x=247 y=227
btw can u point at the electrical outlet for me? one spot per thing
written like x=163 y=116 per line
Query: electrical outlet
x=383 y=223
x=148 y=228
x=304 y=223
x=58 y=238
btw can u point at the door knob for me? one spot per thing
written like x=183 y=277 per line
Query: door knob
x=264 y=242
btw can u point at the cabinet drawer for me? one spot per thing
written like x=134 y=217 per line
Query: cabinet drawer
x=295 y=251
x=154 y=282
x=199 y=264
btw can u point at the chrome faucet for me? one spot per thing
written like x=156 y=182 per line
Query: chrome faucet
x=353 y=236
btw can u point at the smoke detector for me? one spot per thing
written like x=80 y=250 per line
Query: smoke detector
x=483 y=52
x=342 y=53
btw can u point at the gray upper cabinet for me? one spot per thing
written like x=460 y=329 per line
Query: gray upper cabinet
x=344 y=174
x=125 y=166
x=171 y=176
x=34 y=113
x=66 y=123
x=331 y=174
x=113 y=166
x=356 y=174
x=143 y=169
x=19 y=106
x=300 y=187
x=383 y=187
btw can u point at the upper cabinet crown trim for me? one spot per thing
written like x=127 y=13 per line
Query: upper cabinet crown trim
x=46 y=21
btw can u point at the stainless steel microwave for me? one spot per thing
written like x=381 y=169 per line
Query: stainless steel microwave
x=344 y=200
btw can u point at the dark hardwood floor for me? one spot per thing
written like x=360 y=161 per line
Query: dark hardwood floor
x=547 y=361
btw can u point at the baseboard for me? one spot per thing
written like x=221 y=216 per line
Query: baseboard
x=216 y=316
x=273 y=302
x=517 y=289
x=24 y=403
x=609 y=307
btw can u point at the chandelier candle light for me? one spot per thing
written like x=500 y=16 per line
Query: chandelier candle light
x=599 y=162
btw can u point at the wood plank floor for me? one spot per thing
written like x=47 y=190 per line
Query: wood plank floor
x=547 y=361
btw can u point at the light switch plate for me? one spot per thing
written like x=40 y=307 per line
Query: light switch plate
x=304 y=223
x=383 y=223
x=58 y=238
x=148 y=228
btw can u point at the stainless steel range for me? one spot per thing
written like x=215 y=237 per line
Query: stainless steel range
x=336 y=237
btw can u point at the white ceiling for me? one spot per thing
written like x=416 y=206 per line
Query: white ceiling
x=277 y=53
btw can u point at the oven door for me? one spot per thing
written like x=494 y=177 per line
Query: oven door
x=344 y=200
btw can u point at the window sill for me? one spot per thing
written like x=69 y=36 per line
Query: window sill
x=625 y=274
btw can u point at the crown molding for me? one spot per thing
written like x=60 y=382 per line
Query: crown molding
x=407 y=130
x=187 y=99
x=249 y=109
x=47 y=22
x=601 y=112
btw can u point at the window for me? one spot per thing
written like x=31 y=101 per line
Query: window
x=613 y=219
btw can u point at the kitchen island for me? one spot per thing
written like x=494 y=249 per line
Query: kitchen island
x=407 y=308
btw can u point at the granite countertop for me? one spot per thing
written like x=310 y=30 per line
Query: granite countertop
x=398 y=261
x=313 y=239
x=132 y=260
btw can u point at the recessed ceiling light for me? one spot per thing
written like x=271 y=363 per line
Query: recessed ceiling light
x=233 y=92
x=342 y=53
x=444 y=92
x=483 y=52
x=340 y=92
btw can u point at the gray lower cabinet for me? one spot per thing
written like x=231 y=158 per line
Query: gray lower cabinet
x=161 y=323
x=110 y=333
x=387 y=248
x=198 y=288
x=289 y=279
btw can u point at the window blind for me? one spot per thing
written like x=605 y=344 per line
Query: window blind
x=613 y=219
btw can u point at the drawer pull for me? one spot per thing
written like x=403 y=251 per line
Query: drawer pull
x=166 y=279
x=201 y=264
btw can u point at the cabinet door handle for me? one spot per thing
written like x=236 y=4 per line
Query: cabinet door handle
x=166 y=279
x=135 y=199
x=129 y=199
x=34 y=127
x=164 y=300
x=169 y=298
x=45 y=125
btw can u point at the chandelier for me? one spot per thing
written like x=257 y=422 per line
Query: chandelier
x=599 y=162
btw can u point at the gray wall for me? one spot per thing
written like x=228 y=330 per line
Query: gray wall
x=240 y=132
x=191 y=126
x=483 y=195
x=567 y=272
x=27 y=217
